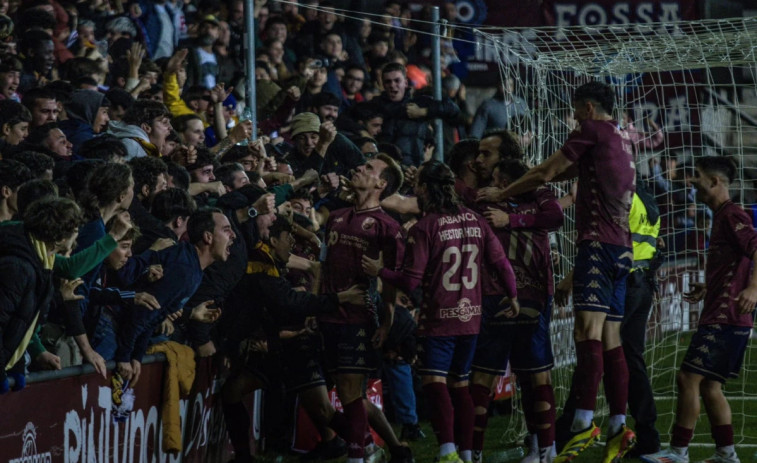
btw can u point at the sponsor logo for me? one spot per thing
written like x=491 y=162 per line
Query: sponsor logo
x=368 y=223
x=29 y=450
x=458 y=218
x=333 y=238
x=463 y=312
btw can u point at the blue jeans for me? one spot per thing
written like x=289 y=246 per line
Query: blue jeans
x=399 y=375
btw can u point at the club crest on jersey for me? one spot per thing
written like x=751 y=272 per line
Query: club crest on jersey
x=368 y=223
x=463 y=312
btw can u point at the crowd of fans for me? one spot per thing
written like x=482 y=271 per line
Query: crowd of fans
x=137 y=209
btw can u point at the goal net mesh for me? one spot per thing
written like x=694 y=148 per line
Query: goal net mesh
x=688 y=90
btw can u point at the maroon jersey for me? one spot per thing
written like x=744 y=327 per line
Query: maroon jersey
x=606 y=181
x=350 y=234
x=729 y=266
x=445 y=254
x=526 y=243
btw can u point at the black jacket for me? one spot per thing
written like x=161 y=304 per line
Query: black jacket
x=410 y=135
x=221 y=277
x=264 y=302
x=26 y=290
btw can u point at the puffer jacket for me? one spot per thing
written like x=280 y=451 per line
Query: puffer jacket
x=25 y=291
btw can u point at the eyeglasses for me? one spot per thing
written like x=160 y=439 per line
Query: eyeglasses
x=356 y=79
x=371 y=154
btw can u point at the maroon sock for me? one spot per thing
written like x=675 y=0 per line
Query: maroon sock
x=464 y=416
x=681 y=436
x=358 y=421
x=481 y=396
x=527 y=402
x=589 y=364
x=723 y=435
x=441 y=411
x=340 y=425
x=616 y=380
x=544 y=421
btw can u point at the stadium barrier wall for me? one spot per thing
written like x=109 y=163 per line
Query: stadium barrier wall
x=670 y=312
x=65 y=416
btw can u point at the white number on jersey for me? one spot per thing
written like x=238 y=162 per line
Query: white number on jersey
x=455 y=256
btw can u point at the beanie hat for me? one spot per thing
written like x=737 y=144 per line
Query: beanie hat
x=305 y=122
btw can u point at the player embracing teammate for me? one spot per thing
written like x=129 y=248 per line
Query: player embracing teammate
x=444 y=256
x=522 y=226
x=600 y=155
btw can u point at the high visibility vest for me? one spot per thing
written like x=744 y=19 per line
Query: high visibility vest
x=643 y=233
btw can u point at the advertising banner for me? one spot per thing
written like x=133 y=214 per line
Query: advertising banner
x=69 y=420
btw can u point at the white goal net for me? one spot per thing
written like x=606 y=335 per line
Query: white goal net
x=687 y=89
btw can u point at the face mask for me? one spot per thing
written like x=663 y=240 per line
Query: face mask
x=207 y=40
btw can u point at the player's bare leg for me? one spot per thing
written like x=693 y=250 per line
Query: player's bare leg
x=715 y=404
x=315 y=401
x=687 y=410
x=327 y=420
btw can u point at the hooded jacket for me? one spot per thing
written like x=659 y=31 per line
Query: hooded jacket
x=25 y=292
x=82 y=112
x=129 y=135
